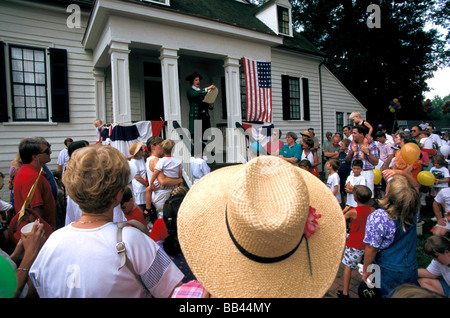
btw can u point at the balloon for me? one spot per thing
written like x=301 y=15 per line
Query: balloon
x=8 y=280
x=377 y=176
x=445 y=150
x=410 y=152
x=425 y=178
x=395 y=100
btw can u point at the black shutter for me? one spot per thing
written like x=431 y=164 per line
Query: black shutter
x=3 y=95
x=59 y=85
x=285 y=97
x=306 y=112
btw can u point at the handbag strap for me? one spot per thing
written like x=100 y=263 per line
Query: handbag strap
x=30 y=195
x=121 y=249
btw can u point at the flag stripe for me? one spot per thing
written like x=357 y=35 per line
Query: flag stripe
x=258 y=90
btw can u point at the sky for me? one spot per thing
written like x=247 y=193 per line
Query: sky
x=440 y=84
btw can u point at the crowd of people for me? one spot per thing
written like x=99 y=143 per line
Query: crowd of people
x=86 y=227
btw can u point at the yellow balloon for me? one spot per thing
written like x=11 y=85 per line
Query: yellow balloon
x=377 y=176
x=425 y=178
x=410 y=152
x=395 y=100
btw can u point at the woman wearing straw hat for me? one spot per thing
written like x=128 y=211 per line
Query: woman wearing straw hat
x=81 y=260
x=269 y=229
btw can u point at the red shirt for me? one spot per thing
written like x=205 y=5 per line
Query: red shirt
x=358 y=228
x=43 y=197
x=136 y=214
x=159 y=230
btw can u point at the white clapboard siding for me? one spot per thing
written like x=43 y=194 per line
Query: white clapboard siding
x=45 y=26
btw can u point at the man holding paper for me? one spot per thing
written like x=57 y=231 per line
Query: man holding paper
x=198 y=108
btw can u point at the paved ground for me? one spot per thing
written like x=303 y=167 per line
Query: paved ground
x=339 y=284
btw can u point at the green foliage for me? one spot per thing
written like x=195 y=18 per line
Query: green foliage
x=377 y=64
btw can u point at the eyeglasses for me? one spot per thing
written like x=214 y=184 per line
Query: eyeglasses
x=46 y=151
x=414 y=130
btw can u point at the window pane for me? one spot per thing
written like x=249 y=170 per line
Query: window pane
x=31 y=113
x=41 y=102
x=42 y=113
x=40 y=91
x=39 y=56
x=39 y=67
x=30 y=91
x=16 y=53
x=17 y=77
x=28 y=66
x=40 y=78
x=28 y=54
x=19 y=101
x=17 y=65
x=18 y=90
x=29 y=78
x=19 y=113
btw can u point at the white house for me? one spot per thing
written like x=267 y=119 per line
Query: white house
x=65 y=63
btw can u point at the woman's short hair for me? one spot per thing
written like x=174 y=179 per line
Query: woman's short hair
x=94 y=175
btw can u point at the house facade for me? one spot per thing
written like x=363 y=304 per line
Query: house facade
x=65 y=63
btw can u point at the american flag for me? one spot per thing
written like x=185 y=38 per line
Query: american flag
x=258 y=88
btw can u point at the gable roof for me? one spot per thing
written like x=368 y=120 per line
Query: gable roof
x=231 y=12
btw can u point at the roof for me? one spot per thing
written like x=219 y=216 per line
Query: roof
x=231 y=12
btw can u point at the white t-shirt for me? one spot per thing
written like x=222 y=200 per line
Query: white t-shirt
x=73 y=212
x=438 y=269
x=443 y=197
x=436 y=139
x=427 y=143
x=332 y=181
x=84 y=263
x=199 y=168
x=359 y=180
x=139 y=188
x=170 y=166
x=63 y=158
x=440 y=173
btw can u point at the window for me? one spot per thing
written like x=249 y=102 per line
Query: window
x=283 y=20
x=28 y=83
x=36 y=84
x=243 y=94
x=295 y=98
x=339 y=121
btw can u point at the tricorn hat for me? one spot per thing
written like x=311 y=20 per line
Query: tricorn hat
x=193 y=76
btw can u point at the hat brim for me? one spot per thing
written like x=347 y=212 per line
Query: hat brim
x=224 y=272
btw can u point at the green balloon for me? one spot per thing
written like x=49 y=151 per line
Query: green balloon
x=8 y=279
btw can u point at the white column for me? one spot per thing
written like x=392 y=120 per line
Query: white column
x=100 y=109
x=235 y=141
x=171 y=87
x=120 y=81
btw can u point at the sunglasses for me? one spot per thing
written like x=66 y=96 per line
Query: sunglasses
x=46 y=151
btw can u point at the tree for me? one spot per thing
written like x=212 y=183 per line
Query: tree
x=376 y=64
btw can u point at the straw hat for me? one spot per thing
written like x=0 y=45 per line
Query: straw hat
x=242 y=231
x=306 y=133
x=134 y=148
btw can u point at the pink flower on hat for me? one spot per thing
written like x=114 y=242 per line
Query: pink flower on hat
x=311 y=223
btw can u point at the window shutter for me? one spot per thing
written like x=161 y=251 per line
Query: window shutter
x=285 y=97
x=59 y=85
x=305 y=87
x=3 y=90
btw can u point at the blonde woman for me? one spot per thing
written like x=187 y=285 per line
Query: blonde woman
x=81 y=259
x=391 y=237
